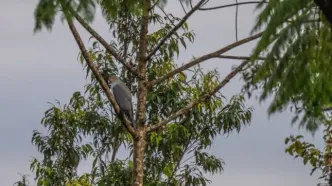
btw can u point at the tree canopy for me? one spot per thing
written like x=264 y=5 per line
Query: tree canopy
x=179 y=109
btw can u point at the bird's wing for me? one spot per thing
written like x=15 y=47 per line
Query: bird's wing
x=125 y=89
x=122 y=98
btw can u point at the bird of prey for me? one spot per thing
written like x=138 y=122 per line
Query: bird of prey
x=122 y=96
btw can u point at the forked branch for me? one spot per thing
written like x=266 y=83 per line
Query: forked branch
x=175 y=28
x=201 y=99
x=203 y=58
x=97 y=74
x=108 y=48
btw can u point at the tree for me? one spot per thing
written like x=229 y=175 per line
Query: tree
x=177 y=114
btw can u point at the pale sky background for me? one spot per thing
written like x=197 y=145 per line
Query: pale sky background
x=36 y=69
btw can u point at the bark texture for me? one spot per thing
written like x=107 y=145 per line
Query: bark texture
x=138 y=157
x=139 y=140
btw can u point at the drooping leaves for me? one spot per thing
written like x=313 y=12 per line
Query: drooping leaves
x=296 y=47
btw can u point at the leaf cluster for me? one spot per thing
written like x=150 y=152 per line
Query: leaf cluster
x=296 y=66
x=319 y=159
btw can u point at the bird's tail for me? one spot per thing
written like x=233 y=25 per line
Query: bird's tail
x=130 y=116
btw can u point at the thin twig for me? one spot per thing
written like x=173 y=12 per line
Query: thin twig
x=184 y=10
x=239 y=57
x=230 y=5
x=191 y=4
x=170 y=20
x=183 y=20
x=236 y=17
x=155 y=4
x=103 y=42
x=199 y=100
x=194 y=62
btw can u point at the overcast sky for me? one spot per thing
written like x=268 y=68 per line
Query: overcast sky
x=36 y=69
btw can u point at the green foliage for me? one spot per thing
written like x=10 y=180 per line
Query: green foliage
x=23 y=182
x=319 y=160
x=47 y=10
x=297 y=66
x=80 y=181
x=86 y=127
x=304 y=150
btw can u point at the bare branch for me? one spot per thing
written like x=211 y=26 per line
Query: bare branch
x=155 y=4
x=170 y=20
x=239 y=57
x=142 y=89
x=98 y=76
x=200 y=99
x=230 y=5
x=183 y=20
x=236 y=20
x=184 y=10
x=108 y=48
x=194 y=62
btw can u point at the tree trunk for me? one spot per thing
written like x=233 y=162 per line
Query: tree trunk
x=139 y=139
x=139 y=148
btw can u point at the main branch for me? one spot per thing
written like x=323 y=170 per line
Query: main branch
x=108 y=48
x=175 y=28
x=139 y=141
x=201 y=99
x=97 y=74
x=194 y=62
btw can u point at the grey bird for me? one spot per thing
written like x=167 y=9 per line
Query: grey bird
x=122 y=96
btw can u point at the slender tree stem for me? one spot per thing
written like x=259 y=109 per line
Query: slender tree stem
x=230 y=5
